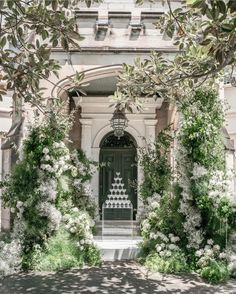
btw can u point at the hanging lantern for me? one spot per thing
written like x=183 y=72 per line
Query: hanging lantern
x=119 y=122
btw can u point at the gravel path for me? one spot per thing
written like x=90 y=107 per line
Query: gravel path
x=112 y=278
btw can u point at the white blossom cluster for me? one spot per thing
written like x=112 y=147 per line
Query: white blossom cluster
x=54 y=163
x=10 y=257
x=79 y=224
x=167 y=245
x=198 y=171
x=192 y=215
x=219 y=186
x=209 y=253
x=56 y=160
x=49 y=210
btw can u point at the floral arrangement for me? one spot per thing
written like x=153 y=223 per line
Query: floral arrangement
x=79 y=224
x=48 y=182
x=198 y=212
x=154 y=161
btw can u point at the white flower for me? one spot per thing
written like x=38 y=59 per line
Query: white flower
x=161 y=253
x=173 y=247
x=12 y=210
x=45 y=150
x=19 y=204
x=158 y=248
x=198 y=170
x=222 y=255
x=155 y=204
x=199 y=253
x=47 y=157
x=75 y=209
x=216 y=247
x=168 y=253
x=55 y=145
x=210 y=242
x=174 y=239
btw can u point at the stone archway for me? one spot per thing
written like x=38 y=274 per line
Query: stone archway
x=118 y=156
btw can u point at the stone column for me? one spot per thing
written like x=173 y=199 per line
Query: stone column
x=150 y=129
x=86 y=136
x=95 y=178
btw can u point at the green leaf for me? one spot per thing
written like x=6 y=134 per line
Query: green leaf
x=221 y=5
x=10 y=4
x=205 y=42
x=66 y=3
x=3 y=41
x=64 y=44
x=20 y=31
x=54 y=4
x=55 y=43
x=195 y=3
x=227 y=27
x=48 y=2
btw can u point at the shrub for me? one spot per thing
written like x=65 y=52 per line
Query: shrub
x=62 y=252
x=215 y=272
x=175 y=263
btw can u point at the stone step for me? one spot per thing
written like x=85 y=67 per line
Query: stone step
x=117 y=228
x=117 y=248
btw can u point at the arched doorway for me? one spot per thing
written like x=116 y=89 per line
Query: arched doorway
x=118 y=155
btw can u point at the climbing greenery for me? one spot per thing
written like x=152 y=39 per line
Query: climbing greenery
x=156 y=168
x=48 y=192
x=195 y=219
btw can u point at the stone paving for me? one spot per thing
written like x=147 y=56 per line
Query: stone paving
x=112 y=278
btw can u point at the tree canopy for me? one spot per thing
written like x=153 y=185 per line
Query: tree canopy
x=204 y=32
x=28 y=31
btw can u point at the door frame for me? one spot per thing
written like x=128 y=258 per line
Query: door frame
x=132 y=150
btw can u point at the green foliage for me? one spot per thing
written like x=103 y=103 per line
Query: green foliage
x=46 y=183
x=176 y=263
x=62 y=252
x=215 y=272
x=32 y=29
x=193 y=222
x=201 y=133
x=156 y=167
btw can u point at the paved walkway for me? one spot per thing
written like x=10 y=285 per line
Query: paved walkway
x=112 y=278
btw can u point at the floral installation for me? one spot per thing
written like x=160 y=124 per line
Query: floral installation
x=80 y=225
x=197 y=207
x=44 y=185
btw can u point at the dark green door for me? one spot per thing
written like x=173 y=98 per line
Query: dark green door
x=120 y=158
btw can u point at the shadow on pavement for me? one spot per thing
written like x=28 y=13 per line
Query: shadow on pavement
x=111 y=277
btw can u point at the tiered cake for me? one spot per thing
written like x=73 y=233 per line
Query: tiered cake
x=117 y=197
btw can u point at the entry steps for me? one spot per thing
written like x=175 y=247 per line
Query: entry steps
x=117 y=248
x=117 y=228
x=119 y=241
